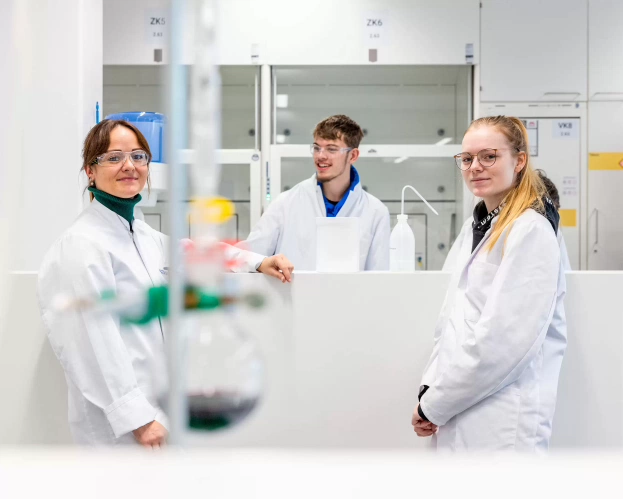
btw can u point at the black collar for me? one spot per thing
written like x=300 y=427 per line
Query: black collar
x=482 y=222
x=482 y=219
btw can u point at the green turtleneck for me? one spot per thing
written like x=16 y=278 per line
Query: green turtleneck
x=124 y=207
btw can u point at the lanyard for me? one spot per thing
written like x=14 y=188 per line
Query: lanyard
x=487 y=220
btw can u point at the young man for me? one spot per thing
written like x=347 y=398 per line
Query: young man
x=289 y=224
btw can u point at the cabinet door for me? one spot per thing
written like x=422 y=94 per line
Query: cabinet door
x=605 y=57
x=605 y=185
x=555 y=149
x=533 y=50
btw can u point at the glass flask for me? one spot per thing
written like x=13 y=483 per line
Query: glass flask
x=224 y=377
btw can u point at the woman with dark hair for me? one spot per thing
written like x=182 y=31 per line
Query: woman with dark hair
x=109 y=365
x=552 y=194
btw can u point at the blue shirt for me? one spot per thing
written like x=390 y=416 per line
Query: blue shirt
x=334 y=208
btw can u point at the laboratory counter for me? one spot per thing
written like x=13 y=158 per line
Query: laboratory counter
x=343 y=355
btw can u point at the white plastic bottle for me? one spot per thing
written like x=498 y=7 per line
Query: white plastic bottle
x=402 y=247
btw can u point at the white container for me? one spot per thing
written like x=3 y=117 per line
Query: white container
x=402 y=247
x=337 y=244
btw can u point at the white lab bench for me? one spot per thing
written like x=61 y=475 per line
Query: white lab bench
x=343 y=356
x=301 y=473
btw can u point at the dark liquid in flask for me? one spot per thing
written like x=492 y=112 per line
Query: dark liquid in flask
x=218 y=410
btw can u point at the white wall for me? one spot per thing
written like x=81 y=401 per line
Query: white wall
x=57 y=80
x=9 y=103
x=33 y=385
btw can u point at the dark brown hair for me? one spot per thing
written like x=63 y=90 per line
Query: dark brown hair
x=552 y=191
x=340 y=127
x=98 y=140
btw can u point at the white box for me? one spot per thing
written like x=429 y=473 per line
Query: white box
x=337 y=244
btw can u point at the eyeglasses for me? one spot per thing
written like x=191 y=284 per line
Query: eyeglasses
x=329 y=150
x=486 y=158
x=118 y=158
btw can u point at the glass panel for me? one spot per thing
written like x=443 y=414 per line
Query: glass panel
x=141 y=88
x=234 y=185
x=238 y=107
x=393 y=104
x=437 y=179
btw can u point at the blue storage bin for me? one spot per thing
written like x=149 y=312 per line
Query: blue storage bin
x=152 y=126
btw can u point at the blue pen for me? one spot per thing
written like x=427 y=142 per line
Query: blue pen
x=97 y=113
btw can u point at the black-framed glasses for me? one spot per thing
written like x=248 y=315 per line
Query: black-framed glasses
x=118 y=158
x=486 y=158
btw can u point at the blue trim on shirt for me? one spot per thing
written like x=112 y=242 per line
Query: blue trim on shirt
x=334 y=208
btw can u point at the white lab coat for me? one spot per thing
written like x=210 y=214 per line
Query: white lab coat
x=289 y=226
x=499 y=341
x=111 y=368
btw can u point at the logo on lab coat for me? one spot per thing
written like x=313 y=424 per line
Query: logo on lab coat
x=164 y=270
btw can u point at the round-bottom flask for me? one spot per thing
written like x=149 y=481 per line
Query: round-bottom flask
x=225 y=372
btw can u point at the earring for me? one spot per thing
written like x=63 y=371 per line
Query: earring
x=92 y=183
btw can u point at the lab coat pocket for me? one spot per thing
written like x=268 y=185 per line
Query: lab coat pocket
x=492 y=423
x=480 y=277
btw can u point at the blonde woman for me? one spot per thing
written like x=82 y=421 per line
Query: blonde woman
x=491 y=381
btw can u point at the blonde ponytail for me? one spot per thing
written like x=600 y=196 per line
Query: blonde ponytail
x=529 y=190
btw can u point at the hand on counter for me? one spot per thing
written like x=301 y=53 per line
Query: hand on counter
x=277 y=266
x=421 y=427
x=152 y=435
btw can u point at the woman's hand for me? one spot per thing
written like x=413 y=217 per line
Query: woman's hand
x=421 y=427
x=153 y=435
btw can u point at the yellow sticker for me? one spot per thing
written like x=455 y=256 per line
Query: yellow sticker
x=568 y=218
x=212 y=210
x=605 y=161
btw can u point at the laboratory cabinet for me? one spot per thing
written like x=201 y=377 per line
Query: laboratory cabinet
x=605 y=54
x=555 y=145
x=557 y=140
x=282 y=32
x=533 y=51
x=605 y=185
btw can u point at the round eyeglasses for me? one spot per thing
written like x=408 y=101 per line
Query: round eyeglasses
x=118 y=158
x=486 y=158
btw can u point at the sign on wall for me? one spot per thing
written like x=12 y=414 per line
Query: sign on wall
x=376 y=28
x=566 y=129
x=606 y=161
x=156 y=26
